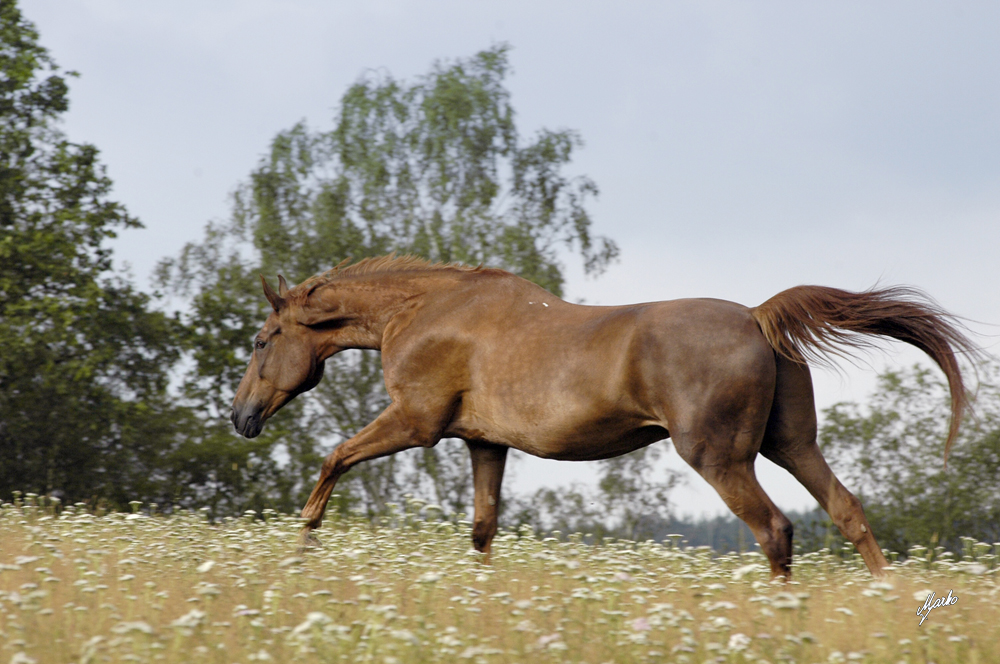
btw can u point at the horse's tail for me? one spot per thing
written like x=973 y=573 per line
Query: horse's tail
x=804 y=322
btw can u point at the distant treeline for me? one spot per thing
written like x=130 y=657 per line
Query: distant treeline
x=725 y=533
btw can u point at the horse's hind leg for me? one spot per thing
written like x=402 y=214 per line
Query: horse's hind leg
x=718 y=432
x=737 y=485
x=726 y=462
x=790 y=442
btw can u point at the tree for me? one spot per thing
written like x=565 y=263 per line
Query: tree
x=891 y=452
x=83 y=360
x=434 y=168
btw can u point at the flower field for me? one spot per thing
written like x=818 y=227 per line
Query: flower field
x=80 y=587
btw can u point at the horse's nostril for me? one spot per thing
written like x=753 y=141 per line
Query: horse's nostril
x=252 y=427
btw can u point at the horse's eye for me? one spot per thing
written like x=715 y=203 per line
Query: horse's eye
x=259 y=344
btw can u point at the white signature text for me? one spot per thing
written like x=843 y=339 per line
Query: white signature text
x=930 y=604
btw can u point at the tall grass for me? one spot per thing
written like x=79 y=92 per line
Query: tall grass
x=80 y=587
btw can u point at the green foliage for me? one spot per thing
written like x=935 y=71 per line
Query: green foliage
x=433 y=167
x=891 y=453
x=83 y=361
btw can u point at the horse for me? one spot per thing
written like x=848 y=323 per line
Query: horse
x=483 y=355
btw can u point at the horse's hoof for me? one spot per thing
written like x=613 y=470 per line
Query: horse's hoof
x=308 y=540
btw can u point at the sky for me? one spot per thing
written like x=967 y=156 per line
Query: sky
x=740 y=148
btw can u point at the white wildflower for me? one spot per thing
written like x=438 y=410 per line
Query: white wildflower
x=189 y=620
x=89 y=650
x=641 y=625
x=208 y=589
x=405 y=635
x=726 y=606
x=430 y=577
x=525 y=626
x=136 y=626
x=313 y=619
x=740 y=572
x=739 y=642
x=785 y=601
x=551 y=642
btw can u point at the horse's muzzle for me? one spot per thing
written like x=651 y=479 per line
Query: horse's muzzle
x=247 y=421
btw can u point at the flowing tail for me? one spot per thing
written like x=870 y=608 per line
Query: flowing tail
x=805 y=322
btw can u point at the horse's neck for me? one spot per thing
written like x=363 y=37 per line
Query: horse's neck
x=377 y=299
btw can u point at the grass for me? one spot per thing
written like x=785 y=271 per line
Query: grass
x=80 y=587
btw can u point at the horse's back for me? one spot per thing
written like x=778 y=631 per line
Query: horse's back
x=513 y=331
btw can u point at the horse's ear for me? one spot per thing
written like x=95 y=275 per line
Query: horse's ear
x=282 y=286
x=277 y=302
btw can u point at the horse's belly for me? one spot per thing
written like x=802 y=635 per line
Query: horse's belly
x=563 y=439
x=597 y=445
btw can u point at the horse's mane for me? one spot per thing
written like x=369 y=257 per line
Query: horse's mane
x=376 y=265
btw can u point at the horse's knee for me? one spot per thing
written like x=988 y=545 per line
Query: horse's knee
x=330 y=465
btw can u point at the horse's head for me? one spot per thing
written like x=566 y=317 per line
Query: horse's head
x=288 y=355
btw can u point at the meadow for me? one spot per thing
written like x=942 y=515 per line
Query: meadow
x=79 y=586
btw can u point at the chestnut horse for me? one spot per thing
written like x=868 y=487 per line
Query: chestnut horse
x=485 y=356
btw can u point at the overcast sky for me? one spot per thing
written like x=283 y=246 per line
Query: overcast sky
x=740 y=148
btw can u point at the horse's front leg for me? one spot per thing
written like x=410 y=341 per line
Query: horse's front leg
x=392 y=431
x=488 y=462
